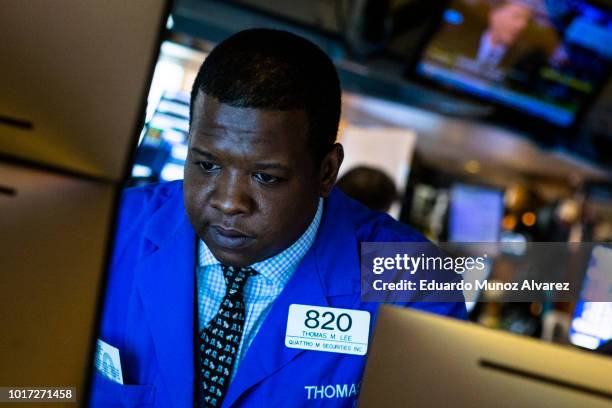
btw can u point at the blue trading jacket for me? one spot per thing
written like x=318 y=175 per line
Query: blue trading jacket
x=149 y=308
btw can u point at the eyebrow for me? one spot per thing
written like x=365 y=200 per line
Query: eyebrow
x=258 y=166
x=204 y=153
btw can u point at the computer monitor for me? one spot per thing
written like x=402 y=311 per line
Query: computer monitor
x=74 y=79
x=162 y=151
x=422 y=360
x=475 y=214
x=54 y=231
x=73 y=83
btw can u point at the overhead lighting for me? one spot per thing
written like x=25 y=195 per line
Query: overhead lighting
x=472 y=166
x=509 y=222
x=528 y=218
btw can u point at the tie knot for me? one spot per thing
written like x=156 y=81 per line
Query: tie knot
x=236 y=278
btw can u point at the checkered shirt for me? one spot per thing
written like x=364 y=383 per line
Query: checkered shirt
x=260 y=291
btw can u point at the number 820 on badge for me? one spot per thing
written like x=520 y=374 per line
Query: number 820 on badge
x=328 y=329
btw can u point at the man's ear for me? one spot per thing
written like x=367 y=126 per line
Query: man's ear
x=328 y=171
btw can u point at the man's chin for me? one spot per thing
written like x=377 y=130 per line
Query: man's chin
x=238 y=257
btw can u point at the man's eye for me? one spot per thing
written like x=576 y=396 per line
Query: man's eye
x=208 y=166
x=266 y=178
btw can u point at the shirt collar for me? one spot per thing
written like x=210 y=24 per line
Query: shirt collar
x=281 y=266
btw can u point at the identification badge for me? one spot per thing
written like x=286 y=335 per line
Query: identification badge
x=107 y=361
x=328 y=329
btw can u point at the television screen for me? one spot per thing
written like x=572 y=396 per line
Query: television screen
x=543 y=57
x=475 y=214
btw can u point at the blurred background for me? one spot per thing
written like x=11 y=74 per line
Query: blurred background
x=470 y=120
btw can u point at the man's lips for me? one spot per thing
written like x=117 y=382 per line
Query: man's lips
x=228 y=237
x=230 y=232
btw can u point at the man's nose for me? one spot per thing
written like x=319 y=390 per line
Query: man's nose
x=231 y=194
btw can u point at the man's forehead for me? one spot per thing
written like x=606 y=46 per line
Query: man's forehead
x=247 y=133
x=210 y=114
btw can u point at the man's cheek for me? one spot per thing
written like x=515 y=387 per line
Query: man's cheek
x=262 y=226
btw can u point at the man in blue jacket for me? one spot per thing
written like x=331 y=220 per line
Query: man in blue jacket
x=205 y=271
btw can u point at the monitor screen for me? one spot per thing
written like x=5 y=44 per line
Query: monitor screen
x=592 y=323
x=546 y=58
x=475 y=214
x=163 y=147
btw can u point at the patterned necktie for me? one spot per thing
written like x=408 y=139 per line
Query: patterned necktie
x=219 y=341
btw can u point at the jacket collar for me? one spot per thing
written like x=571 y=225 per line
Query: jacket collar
x=170 y=217
x=337 y=247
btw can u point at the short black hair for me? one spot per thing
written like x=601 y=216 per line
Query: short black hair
x=275 y=70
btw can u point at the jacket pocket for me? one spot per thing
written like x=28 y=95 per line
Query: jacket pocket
x=107 y=393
